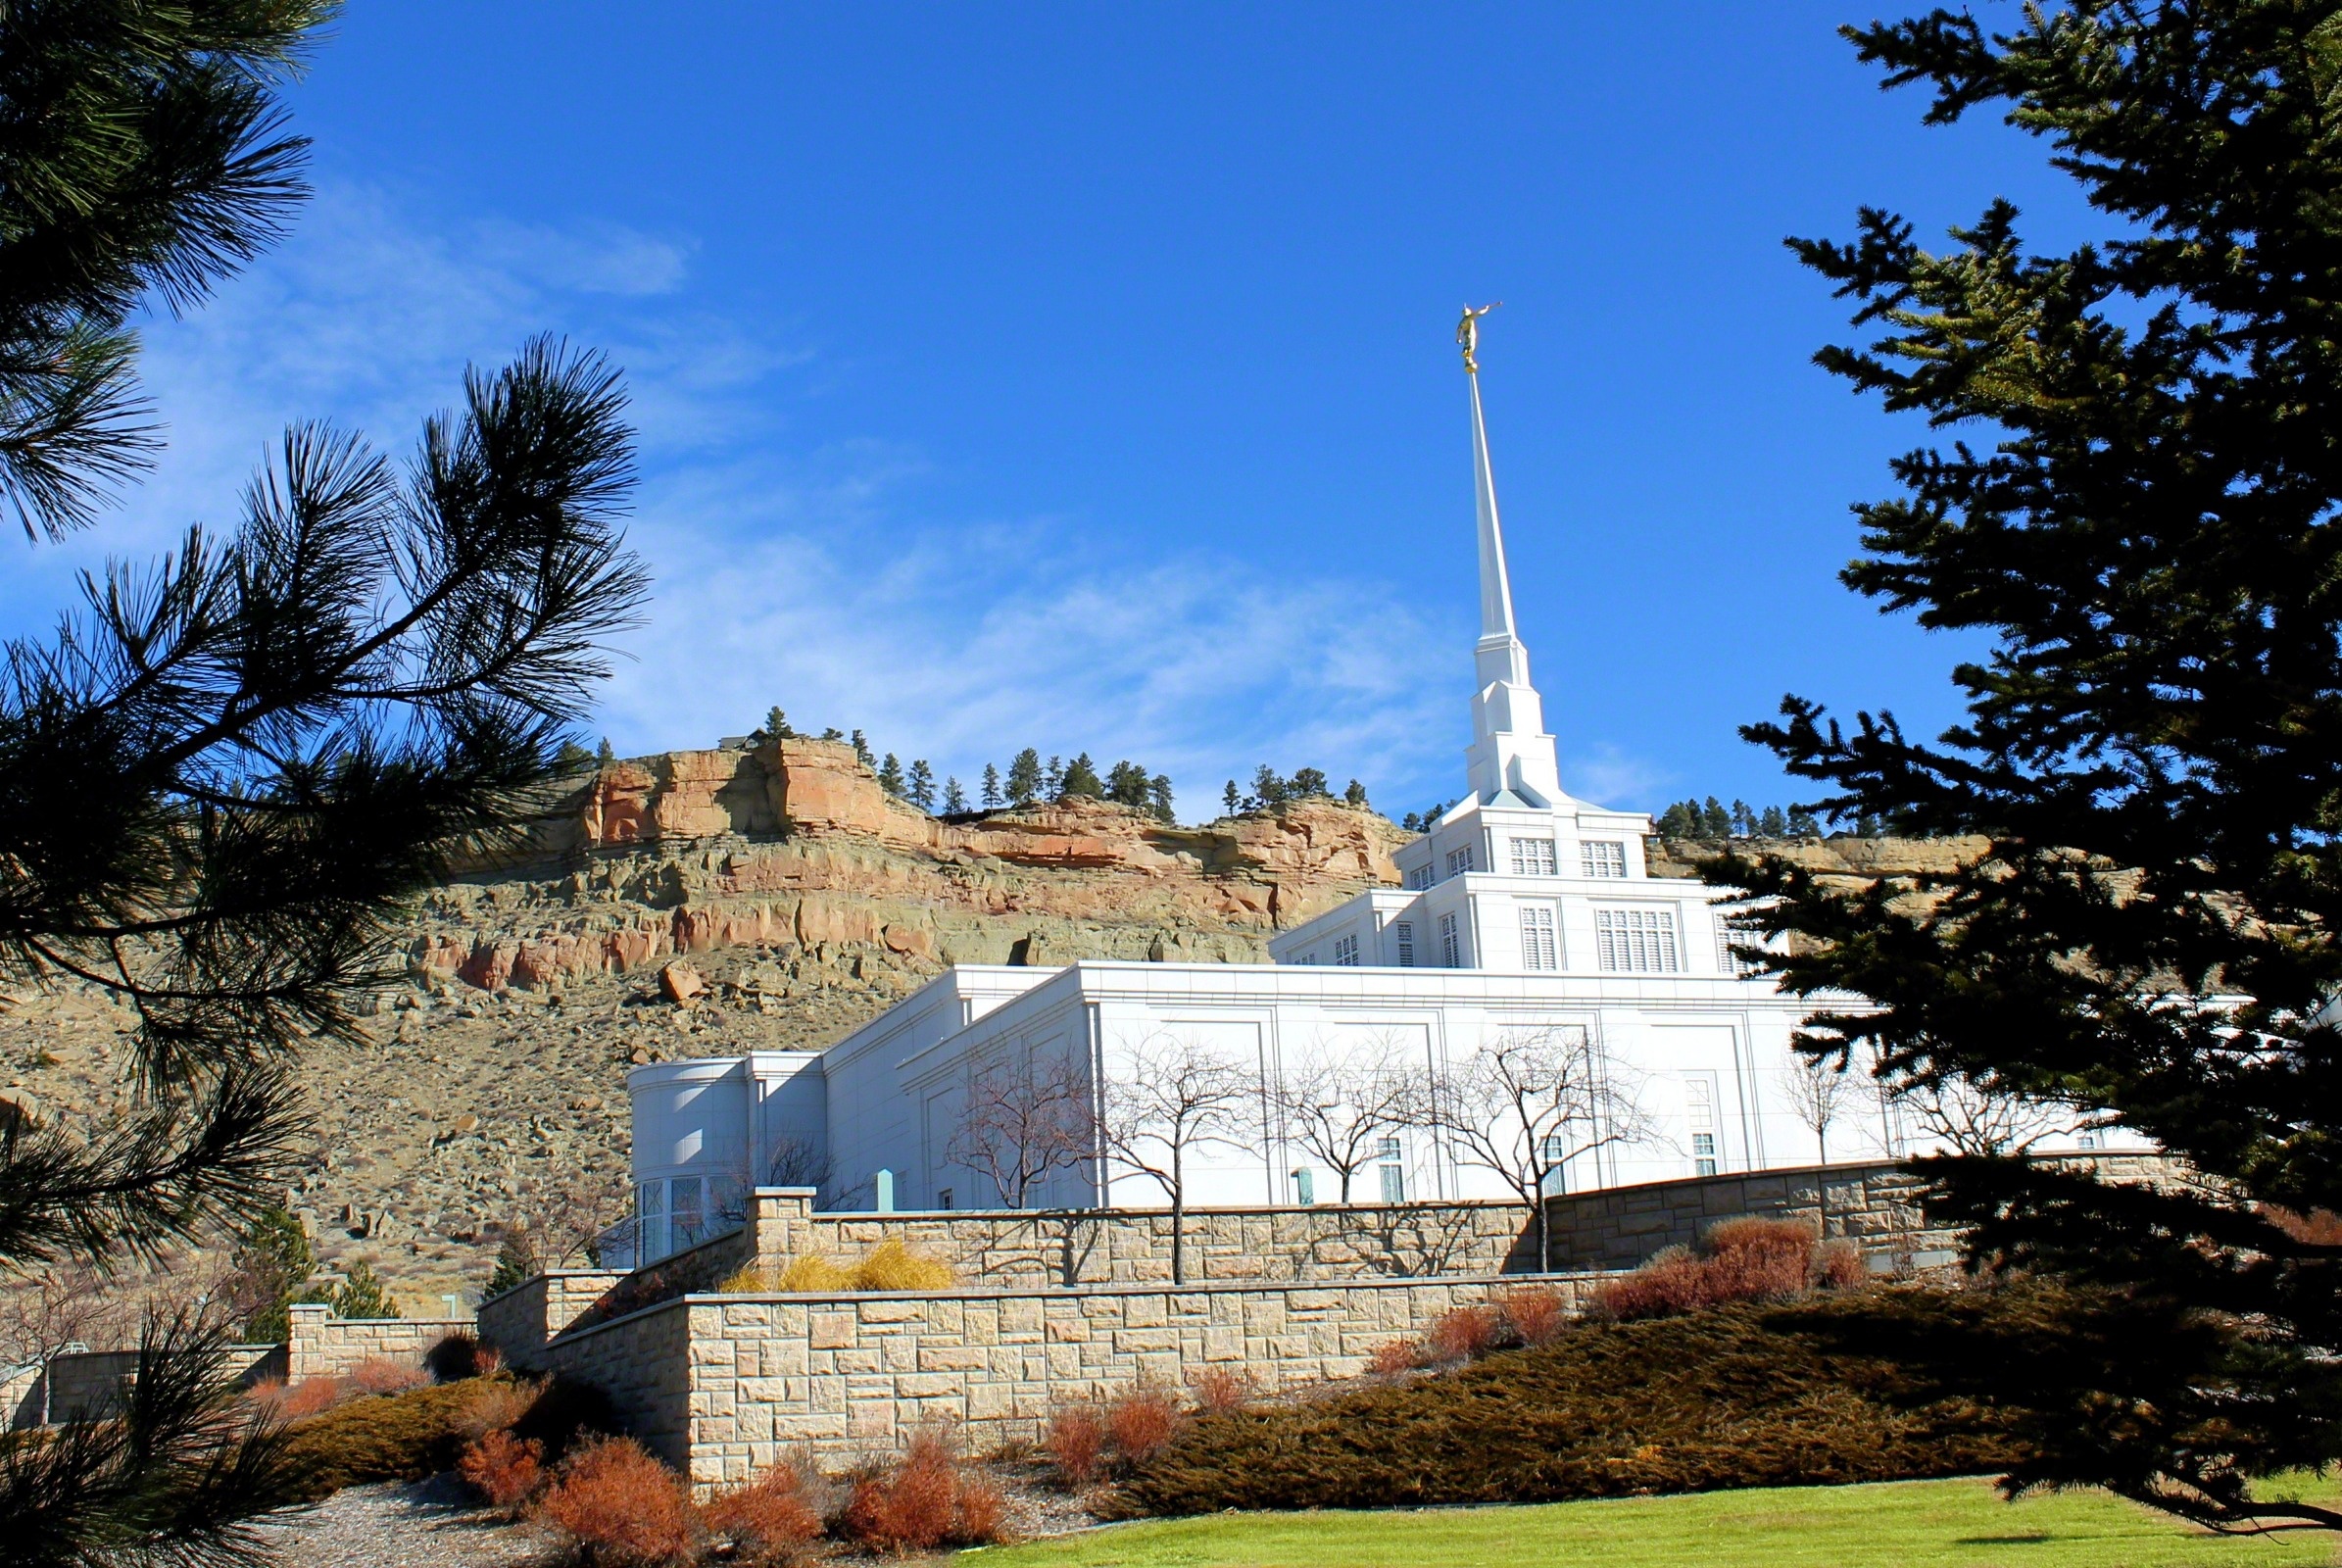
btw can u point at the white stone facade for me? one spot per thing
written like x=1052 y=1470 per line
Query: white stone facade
x=1522 y=912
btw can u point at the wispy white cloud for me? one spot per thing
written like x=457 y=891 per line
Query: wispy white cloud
x=814 y=578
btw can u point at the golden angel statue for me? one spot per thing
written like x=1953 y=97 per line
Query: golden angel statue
x=1467 y=333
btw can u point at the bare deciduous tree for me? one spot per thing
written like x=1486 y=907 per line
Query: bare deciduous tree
x=1337 y=1103
x=1528 y=1103
x=1818 y=1090
x=1973 y=1118
x=1176 y=1095
x=1025 y=1121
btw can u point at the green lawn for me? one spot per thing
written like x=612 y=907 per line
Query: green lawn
x=1910 y=1524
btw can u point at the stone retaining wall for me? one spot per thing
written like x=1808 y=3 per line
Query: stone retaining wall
x=518 y=1322
x=324 y=1346
x=85 y=1385
x=723 y=1387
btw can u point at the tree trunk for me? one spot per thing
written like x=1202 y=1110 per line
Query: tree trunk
x=1544 y=1232
x=1179 y=1217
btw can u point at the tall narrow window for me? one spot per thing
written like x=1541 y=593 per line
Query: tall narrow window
x=1699 y=1119
x=1345 y=950
x=1451 y=947
x=1538 y=949
x=1602 y=857
x=1637 y=941
x=650 y=1222
x=686 y=1220
x=1402 y=932
x=1394 y=1172
x=1532 y=856
x=1459 y=860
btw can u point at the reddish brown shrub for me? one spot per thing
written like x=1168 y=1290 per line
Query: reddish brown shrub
x=1076 y=1442
x=1394 y=1356
x=620 y=1507
x=309 y=1396
x=1839 y=1265
x=1464 y=1335
x=1217 y=1387
x=1755 y=1259
x=1535 y=1317
x=499 y=1402
x=922 y=1501
x=1141 y=1422
x=2320 y=1227
x=1672 y=1282
x=379 y=1374
x=769 y=1521
x=505 y=1470
x=978 y=1513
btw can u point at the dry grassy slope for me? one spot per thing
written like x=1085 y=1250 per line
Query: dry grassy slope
x=491 y=1084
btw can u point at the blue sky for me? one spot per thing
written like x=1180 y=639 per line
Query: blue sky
x=1083 y=376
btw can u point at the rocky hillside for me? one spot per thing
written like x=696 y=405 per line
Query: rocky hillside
x=709 y=902
x=686 y=905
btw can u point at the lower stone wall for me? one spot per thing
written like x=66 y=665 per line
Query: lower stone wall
x=645 y=1363
x=1874 y=1205
x=518 y=1323
x=840 y=1377
x=324 y=1346
x=86 y=1385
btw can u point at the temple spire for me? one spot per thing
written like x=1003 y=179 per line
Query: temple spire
x=1511 y=758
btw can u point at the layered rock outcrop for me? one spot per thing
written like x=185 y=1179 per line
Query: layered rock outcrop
x=794 y=845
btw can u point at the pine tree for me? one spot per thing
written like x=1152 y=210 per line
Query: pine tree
x=1773 y=825
x=992 y=787
x=1715 y=822
x=572 y=760
x=1802 y=824
x=1158 y=798
x=1744 y=820
x=1269 y=790
x=1355 y=794
x=920 y=789
x=517 y=1262
x=833 y=733
x=862 y=751
x=1080 y=778
x=604 y=754
x=1681 y=820
x=361 y=1295
x=1052 y=779
x=1127 y=784
x=1231 y=801
x=956 y=799
x=776 y=725
x=1307 y=781
x=272 y=1265
x=890 y=775
x=2140 y=517
x=1024 y=777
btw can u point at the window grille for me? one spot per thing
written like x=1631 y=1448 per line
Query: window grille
x=1404 y=931
x=1538 y=949
x=1459 y=860
x=1345 y=950
x=1637 y=941
x=1699 y=1117
x=1532 y=856
x=1602 y=857
x=1726 y=960
x=1394 y=1184
x=1451 y=944
x=1421 y=876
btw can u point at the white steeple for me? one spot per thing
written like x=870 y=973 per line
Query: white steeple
x=1510 y=751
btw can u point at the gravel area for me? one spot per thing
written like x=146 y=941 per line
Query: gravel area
x=424 y=1524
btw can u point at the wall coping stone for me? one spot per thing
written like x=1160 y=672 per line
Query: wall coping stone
x=850 y=1299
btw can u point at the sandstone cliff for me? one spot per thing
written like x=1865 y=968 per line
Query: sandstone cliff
x=804 y=899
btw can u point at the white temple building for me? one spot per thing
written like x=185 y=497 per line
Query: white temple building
x=1524 y=911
